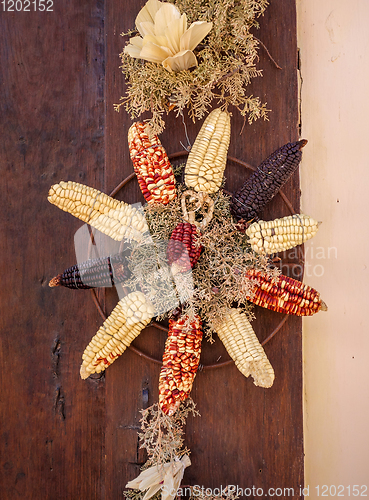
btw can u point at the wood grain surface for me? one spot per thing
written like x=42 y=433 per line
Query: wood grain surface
x=64 y=438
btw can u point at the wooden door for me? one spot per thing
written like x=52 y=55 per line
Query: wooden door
x=64 y=438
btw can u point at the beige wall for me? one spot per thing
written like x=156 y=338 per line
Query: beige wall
x=333 y=36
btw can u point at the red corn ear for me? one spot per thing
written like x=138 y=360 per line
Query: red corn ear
x=284 y=294
x=180 y=362
x=183 y=251
x=151 y=165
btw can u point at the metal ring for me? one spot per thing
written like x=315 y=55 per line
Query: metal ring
x=125 y=181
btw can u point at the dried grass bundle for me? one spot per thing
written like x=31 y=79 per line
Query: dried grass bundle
x=226 y=65
x=215 y=284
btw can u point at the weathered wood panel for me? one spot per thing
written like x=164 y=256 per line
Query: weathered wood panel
x=52 y=123
x=64 y=438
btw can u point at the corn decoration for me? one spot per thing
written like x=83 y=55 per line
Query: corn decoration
x=284 y=294
x=279 y=235
x=151 y=165
x=266 y=181
x=243 y=346
x=112 y=217
x=180 y=362
x=208 y=156
x=128 y=318
x=203 y=177
x=183 y=249
x=101 y=272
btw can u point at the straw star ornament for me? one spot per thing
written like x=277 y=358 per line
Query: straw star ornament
x=165 y=477
x=165 y=38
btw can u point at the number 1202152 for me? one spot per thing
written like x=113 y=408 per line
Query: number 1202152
x=27 y=5
x=342 y=491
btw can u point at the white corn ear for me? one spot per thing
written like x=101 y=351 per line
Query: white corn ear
x=243 y=346
x=208 y=156
x=112 y=217
x=282 y=234
x=128 y=318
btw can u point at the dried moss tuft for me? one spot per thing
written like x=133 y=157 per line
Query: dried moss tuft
x=216 y=283
x=162 y=436
x=227 y=64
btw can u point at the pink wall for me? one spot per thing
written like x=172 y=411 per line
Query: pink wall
x=334 y=46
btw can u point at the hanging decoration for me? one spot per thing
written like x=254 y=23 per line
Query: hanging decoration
x=194 y=254
x=208 y=249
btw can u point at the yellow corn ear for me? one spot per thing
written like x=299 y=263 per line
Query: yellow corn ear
x=112 y=217
x=279 y=235
x=128 y=318
x=243 y=346
x=208 y=156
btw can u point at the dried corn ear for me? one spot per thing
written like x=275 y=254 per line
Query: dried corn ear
x=151 y=165
x=266 y=181
x=112 y=217
x=183 y=249
x=180 y=362
x=243 y=346
x=102 y=272
x=128 y=318
x=283 y=294
x=279 y=235
x=208 y=156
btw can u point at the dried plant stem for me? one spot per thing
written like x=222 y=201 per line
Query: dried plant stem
x=269 y=55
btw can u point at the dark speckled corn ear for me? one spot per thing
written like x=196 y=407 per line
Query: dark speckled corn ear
x=102 y=272
x=265 y=183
